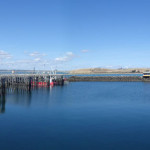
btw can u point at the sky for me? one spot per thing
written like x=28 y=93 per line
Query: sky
x=73 y=34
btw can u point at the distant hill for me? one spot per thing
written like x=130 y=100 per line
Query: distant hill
x=104 y=70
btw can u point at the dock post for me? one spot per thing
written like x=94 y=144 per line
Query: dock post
x=30 y=79
x=62 y=80
x=3 y=86
x=36 y=81
x=48 y=80
x=2 y=104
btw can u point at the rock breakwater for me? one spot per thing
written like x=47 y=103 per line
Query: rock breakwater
x=108 y=78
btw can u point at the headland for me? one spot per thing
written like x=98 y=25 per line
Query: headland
x=109 y=71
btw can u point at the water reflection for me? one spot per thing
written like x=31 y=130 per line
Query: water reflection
x=106 y=115
x=19 y=97
x=15 y=95
x=2 y=104
x=22 y=97
x=78 y=93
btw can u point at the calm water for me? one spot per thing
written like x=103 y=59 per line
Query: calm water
x=78 y=116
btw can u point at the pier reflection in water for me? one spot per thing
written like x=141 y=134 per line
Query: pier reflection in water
x=2 y=104
x=14 y=96
x=80 y=116
x=21 y=96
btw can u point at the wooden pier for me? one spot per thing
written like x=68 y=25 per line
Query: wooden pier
x=26 y=82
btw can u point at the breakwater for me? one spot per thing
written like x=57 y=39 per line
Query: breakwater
x=109 y=78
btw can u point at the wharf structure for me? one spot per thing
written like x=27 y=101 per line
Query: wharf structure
x=26 y=82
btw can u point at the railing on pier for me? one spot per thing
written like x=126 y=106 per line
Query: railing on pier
x=23 y=72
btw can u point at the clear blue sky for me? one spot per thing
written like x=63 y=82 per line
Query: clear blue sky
x=70 y=34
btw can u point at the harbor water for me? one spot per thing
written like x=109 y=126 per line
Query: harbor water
x=77 y=116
